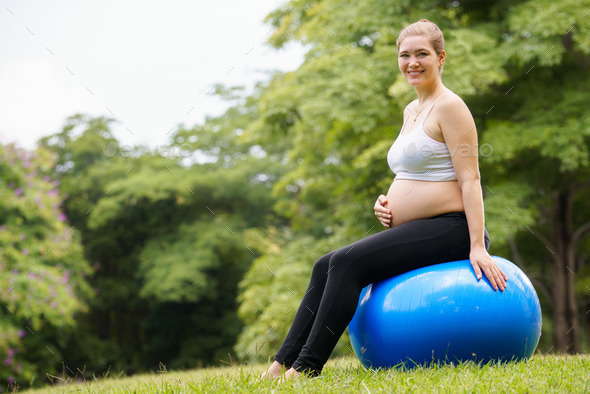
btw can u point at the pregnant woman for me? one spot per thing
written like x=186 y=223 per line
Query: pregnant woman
x=433 y=211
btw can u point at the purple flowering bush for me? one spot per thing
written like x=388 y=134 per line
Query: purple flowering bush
x=42 y=269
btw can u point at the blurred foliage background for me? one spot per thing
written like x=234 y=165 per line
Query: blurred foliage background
x=118 y=259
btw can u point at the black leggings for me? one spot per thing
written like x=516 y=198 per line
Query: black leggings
x=339 y=276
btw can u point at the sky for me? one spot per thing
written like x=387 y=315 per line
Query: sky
x=151 y=65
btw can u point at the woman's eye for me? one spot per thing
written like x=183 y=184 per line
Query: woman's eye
x=422 y=54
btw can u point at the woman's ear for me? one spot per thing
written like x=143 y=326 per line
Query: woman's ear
x=441 y=58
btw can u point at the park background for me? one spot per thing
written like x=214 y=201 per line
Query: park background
x=115 y=257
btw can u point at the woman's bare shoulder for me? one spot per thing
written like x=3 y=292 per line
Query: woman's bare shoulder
x=453 y=114
x=410 y=107
x=411 y=104
x=451 y=99
x=452 y=105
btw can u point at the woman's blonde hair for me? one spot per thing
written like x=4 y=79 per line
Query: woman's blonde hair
x=426 y=29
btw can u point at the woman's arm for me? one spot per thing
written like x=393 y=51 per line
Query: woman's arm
x=460 y=135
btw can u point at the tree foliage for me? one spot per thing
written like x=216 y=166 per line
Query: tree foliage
x=237 y=210
x=165 y=235
x=519 y=66
x=44 y=276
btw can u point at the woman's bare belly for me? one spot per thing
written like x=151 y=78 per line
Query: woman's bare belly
x=409 y=200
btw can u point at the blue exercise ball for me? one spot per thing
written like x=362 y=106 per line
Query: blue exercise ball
x=441 y=313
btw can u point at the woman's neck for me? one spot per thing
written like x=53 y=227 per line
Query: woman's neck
x=425 y=93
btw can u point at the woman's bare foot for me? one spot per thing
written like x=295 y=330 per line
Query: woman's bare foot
x=290 y=374
x=273 y=372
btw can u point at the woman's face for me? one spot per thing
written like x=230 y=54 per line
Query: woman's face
x=418 y=61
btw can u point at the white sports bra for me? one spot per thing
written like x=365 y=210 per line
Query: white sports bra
x=416 y=156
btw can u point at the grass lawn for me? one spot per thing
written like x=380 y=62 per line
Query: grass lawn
x=539 y=374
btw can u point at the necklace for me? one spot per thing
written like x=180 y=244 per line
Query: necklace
x=419 y=111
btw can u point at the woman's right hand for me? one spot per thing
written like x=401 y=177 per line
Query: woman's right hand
x=382 y=212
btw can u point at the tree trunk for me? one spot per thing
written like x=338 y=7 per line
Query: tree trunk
x=565 y=306
x=574 y=330
x=565 y=242
x=560 y=325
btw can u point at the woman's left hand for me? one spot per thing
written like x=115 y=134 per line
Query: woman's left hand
x=482 y=261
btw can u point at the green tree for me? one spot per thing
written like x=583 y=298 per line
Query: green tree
x=164 y=231
x=88 y=157
x=44 y=275
x=335 y=117
x=544 y=142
